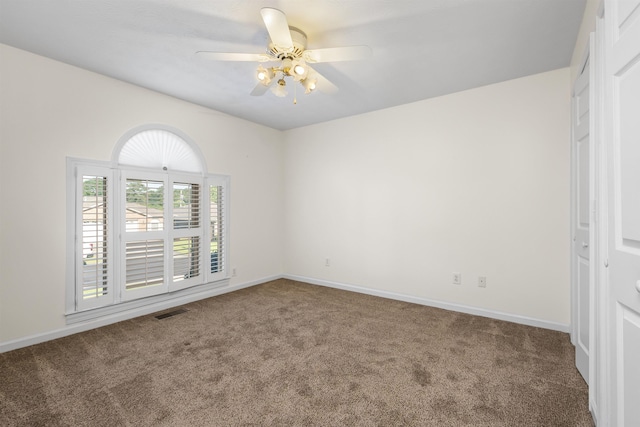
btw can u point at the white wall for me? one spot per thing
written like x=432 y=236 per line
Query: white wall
x=476 y=182
x=49 y=111
x=582 y=42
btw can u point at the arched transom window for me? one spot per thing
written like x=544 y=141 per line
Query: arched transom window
x=159 y=148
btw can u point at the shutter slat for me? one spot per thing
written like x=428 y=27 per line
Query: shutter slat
x=186 y=205
x=144 y=263
x=186 y=258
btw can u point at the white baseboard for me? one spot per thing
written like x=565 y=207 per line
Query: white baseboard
x=75 y=328
x=152 y=308
x=509 y=317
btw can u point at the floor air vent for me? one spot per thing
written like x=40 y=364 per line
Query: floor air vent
x=171 y=313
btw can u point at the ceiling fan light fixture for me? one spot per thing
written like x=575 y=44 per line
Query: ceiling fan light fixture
x=264 y=75
x=279 y=89
x=288 y=45
x=309 y=84
x=299 y=70
x=287 y=66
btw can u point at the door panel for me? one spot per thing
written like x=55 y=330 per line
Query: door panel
x=582 y=209
x=622 y=21
x=581 y=221
x=583 y=281
x=628 y=86
x=630 y=350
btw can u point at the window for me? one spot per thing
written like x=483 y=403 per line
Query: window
x=143 y=230
x=94 y=222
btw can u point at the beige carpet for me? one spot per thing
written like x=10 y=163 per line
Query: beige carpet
x=287 y=353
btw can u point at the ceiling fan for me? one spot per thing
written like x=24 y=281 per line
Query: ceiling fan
x=287 y=52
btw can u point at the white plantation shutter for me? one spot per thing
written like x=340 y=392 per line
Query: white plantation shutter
x=94 y=229
x=144 y=204
x=186 y=258
x=187 y=231
x=186 y=205
x=217 y=227
x=144 y=260
x=144 y=234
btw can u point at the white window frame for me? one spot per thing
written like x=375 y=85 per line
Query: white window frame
x=79 y=309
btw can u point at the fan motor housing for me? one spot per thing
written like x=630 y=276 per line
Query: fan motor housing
x=299 y=39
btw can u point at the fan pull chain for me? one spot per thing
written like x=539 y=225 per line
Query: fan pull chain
x=295 y=93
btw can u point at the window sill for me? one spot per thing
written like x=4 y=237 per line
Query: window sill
x=130 y=309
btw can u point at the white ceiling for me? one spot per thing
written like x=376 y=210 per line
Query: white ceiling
x=421 y=48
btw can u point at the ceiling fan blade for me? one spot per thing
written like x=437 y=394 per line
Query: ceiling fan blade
x=229 y=56
x=276 y=22
x=260 y=89
x=335 y=54
x=322 y=83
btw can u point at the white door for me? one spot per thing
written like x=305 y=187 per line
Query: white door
x=622 y=136
x=581 y=220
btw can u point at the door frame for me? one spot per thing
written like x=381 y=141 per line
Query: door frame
x=599 y=364
x=602 y=400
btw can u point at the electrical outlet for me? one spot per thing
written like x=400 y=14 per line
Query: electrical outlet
x=482 y=281
x=233 y=272
x=326 y=262
x=457 y=278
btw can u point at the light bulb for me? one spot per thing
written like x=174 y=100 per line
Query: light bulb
x=309 y=84
x=264 y=75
